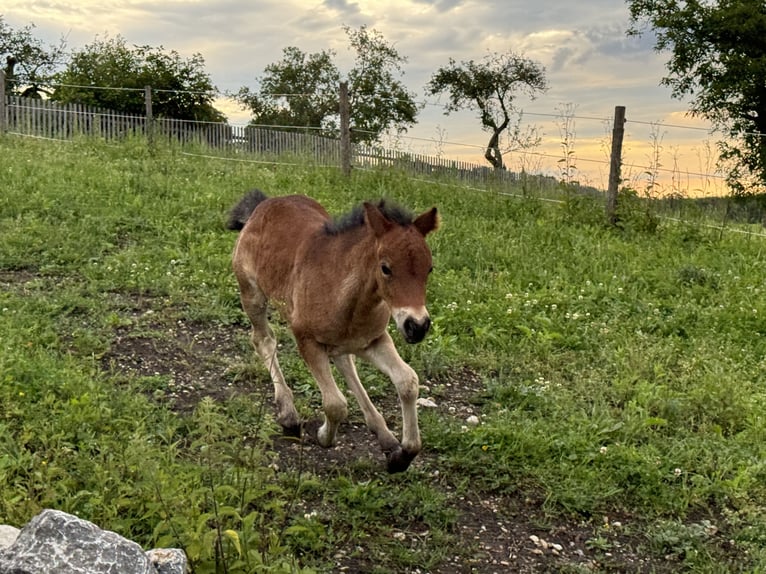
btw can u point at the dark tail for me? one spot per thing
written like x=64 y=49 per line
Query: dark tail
x=240 y=213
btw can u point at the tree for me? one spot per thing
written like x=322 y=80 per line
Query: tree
x=489 y=86
x=29 y=64
x=718 y=59
x=110 y=74
x=377 y=99
x=302 y=90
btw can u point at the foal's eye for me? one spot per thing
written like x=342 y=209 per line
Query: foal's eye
x=385 y=269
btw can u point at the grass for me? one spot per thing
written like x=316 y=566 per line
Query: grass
x=623 y=371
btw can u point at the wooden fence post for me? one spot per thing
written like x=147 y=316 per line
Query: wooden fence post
x=615 y=164
x=345 y=130
x=3 y=125
x=149 y=126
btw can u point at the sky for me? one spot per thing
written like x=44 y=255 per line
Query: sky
x=590 y=64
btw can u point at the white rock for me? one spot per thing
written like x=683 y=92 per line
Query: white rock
x=8 y=535
x=426 y=403
x=473 y=420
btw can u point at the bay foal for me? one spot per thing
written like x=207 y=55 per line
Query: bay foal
x=337 y=284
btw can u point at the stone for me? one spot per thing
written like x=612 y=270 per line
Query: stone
x=168 y=560
x=57 y=542
x=8 y=535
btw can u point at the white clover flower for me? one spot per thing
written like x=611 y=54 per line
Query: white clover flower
x=677 y=472
x=602 y=450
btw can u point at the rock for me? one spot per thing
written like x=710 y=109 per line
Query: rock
x=8 y=535
x=473 y=420
x=168 y=560
x=426 y=403
x=55 y=541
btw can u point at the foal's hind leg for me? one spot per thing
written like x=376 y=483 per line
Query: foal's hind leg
x=255 y=305
x=373 y=418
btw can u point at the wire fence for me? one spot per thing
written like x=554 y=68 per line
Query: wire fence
x=54 y=120
x=563 y=147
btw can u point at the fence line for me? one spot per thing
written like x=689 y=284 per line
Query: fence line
x=37 y=118
x=64 y=121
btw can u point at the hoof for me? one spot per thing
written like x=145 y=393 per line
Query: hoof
x=292 y=431
x=311 y=428
x=399 y=460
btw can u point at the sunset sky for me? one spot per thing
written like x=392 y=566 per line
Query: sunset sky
x=591 y=65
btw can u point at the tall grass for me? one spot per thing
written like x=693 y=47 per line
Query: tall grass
x=623 y=371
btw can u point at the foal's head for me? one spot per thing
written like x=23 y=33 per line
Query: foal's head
x=403 y=265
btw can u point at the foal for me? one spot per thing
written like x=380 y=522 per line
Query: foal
x=337 y=284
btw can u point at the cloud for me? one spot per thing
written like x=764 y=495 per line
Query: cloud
x=343 y=6
x=441 y=5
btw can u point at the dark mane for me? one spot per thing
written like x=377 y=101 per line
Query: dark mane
x=355 y=218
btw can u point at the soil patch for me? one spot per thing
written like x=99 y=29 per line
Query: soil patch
x=497 y=533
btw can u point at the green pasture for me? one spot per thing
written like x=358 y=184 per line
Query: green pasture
x=621 y=371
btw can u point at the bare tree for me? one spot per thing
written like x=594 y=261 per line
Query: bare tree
x=489 y=86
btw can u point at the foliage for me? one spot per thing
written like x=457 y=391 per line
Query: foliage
x=302 y=90
x=27 y=54
x=378 y=100
x=614 y=374
x=490 y=86
x=717 y=49
x=181 y=89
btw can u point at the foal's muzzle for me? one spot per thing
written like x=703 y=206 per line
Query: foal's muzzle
x=415 y=330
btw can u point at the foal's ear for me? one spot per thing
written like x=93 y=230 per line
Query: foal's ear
x=376 y=220
x=427 y=222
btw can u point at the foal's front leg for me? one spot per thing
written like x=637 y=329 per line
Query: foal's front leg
x=333 y=402
x=383 y=355
x=374 y=420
